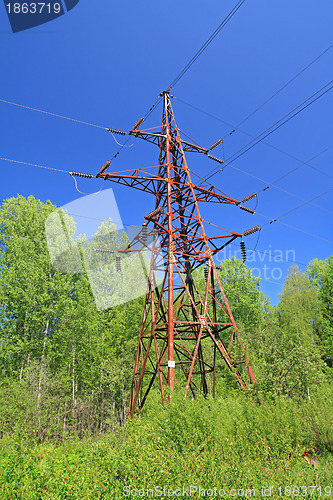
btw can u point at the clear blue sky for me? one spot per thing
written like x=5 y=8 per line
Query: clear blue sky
x=106 y=62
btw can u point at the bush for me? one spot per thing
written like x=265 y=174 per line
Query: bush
x=227 y=443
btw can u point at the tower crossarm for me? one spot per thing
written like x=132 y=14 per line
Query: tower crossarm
x=155 y=138
x=193 y=148
x=143 y=180
x=210 y=195
x=139 y=179
x=148 y=136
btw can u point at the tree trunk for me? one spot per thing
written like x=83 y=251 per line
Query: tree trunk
x=25 y=333
x=41 y=372
x=73 y=377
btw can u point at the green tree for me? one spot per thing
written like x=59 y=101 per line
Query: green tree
x=72 y=361
x=290 y=353
x=248 y=304
x=321 y=276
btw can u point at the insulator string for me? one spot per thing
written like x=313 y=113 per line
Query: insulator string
x=81 y=192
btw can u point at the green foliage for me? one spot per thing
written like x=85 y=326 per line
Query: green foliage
x=318 y=418
x=289 y=351
x=321 y=276
x=298 y=310
x=72 y=362
x=66 y=370
x=227 y=443
x=248 y=304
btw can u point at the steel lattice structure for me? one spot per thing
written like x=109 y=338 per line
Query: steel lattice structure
x=187 y=324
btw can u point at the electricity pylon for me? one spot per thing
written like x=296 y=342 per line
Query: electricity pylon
x=187 y=323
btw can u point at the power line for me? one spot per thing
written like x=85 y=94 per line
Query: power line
x=87 y=194
x=284 y=86
x=131 y=225
x=151 y=109
x=299 y=206
x=77 y=121
x=285 y=175
x=74 y=119
x=305 y=232
x=281 y=189
x=269 y=254
x=206 y=44
x=181 y=74
x=175 y=81
x=54 y=169
x=45 y=242
x=80 y=121
x=206 y=113
x=67 y=172
x=293 y=113
x=35 y=165
x=299 y=166
x=286 y=118
x=293 y=227
x=250 y=135
x=52 y=114
x=269 y=184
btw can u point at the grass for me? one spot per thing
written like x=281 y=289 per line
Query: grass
x=228 y=443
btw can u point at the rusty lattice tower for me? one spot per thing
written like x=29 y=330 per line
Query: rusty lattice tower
x=187 y=324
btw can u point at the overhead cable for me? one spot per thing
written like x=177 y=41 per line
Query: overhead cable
x=35 y=165
x=52 y=114
x=67 y=172
x=293 y=227
x=271 y=221
x=299 y=166
x=131 y=225
x=205 y=45
x=299 y=206
x=250 y=135
x=282 y=121
x=272 y=184
x=269 y=184
x=296 y=111
x=284 y=86
x=305 y=232
x=175 y=81
x=82 y=192
x=281 y=189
